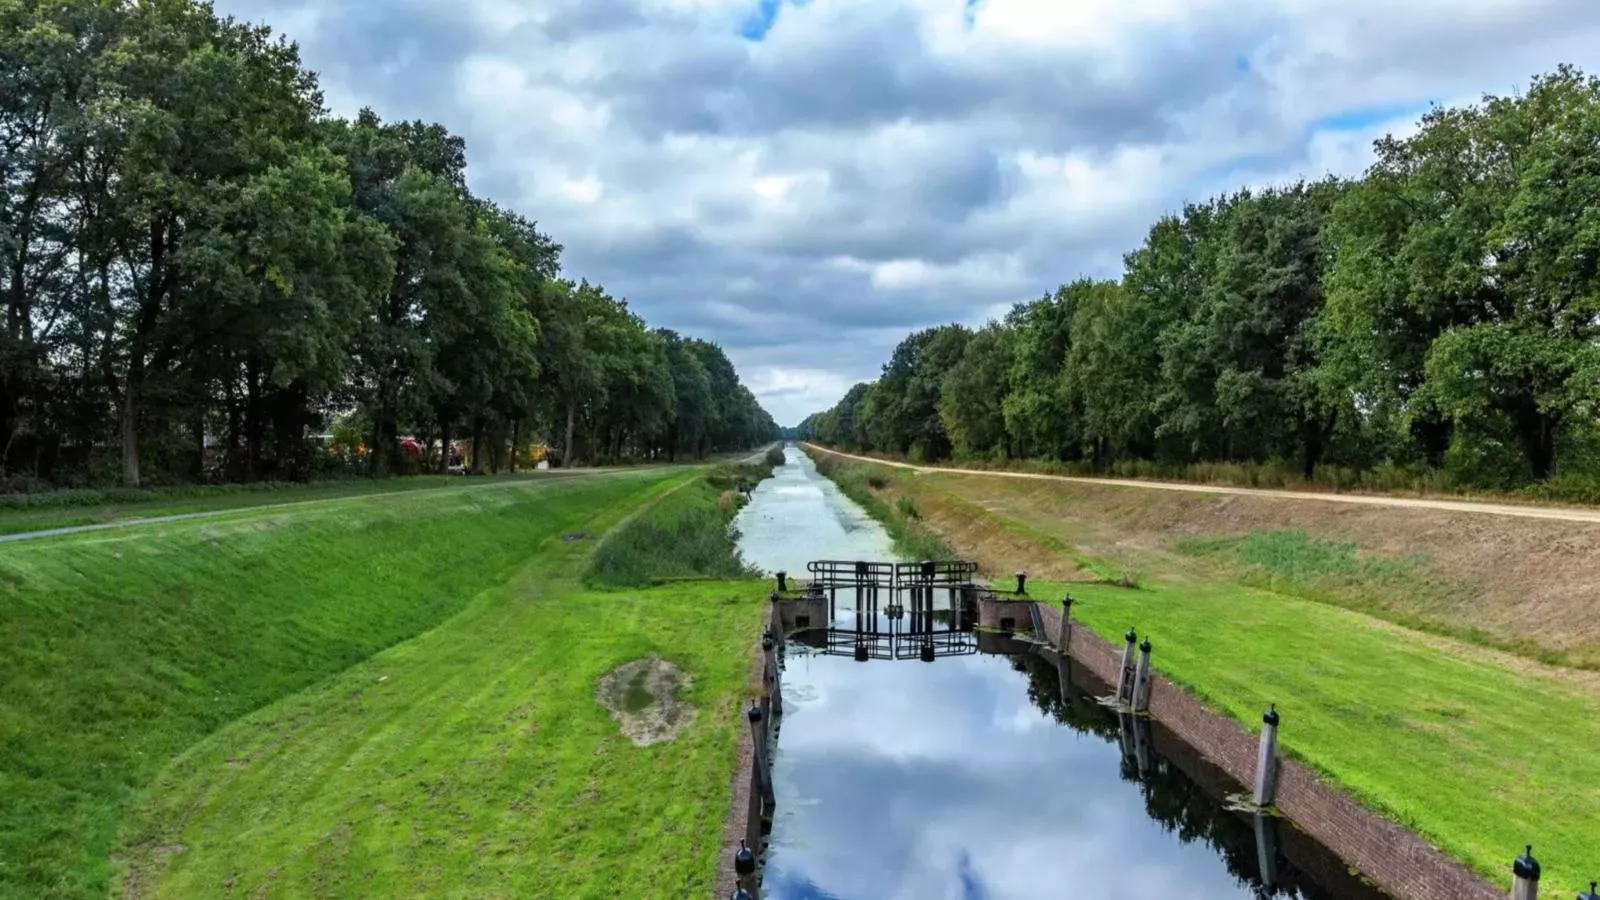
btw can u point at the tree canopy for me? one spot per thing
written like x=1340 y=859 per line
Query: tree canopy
x=201 y=269
x=1439 y=314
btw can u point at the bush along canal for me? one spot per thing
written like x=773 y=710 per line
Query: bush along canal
x=919 y=735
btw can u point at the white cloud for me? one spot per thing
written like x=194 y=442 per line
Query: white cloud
x=872 y=168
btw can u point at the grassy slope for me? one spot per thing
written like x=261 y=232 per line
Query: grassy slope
x=120 y=649
x=1477 y=758
x=474 y=761
x=40 y=512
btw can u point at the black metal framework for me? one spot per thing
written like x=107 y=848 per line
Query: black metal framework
x=853 y=573
x=916 y=610
x=952 y=571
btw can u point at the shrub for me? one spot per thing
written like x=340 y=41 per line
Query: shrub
x=908 y=508
x=775 y=457
x=686 y=535
x=877 y=481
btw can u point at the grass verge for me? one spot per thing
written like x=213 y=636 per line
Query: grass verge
x=473 y=760
x=118 y=650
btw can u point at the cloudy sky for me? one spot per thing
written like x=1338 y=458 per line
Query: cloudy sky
x=806 y=182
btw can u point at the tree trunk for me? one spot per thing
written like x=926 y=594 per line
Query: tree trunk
x=1433 y=434
x=477 y=450
x=130 y=425
x=572 y=418
x=444 y=445
x=1315 y=432
x=252 y=419
x=384 y=434
x=1537 y=432
x=516 y=439
x=230 y=458
x=200 y=445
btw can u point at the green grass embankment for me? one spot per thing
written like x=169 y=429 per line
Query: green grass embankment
x=474 y=760
x=1479 y=758
x=23 y=513
x=118 y=650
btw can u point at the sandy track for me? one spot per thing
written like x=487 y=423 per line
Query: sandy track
x=1561 y=513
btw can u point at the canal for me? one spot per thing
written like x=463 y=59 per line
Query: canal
x=987 y=775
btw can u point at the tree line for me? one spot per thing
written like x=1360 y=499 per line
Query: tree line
x=1437 y=316
x=202 y=268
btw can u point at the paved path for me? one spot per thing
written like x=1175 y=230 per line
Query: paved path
x=1562 y=513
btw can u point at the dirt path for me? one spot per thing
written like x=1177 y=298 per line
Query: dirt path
x=1565 y=514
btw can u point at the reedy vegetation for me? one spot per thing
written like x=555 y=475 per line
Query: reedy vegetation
x=1431 y=325
x=191 y=245
x=687 y=535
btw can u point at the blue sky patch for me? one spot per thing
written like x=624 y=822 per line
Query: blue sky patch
x=1241 y=64
x=971 y=885
x=760 y=20
x=1368 y=116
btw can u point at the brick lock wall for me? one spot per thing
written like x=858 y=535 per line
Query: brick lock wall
x=1402 y=863
x=744 y=809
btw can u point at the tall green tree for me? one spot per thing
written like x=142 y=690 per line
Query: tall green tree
x=972 y=395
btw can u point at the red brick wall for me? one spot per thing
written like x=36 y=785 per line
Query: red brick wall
x=744 y=810
x=1402 y=863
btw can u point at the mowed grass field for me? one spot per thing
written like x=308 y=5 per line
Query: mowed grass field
x=1476 y=755
x=20 y=514
x=210 y=692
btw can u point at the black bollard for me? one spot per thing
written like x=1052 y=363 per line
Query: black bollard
x=1022 y=583
x=1266 y=787
x=1141 y=679
x=1525 y=876
x=744 y=862
x=758 y=741
x=783 y=581
x=1125 y=682
x=1592 y=893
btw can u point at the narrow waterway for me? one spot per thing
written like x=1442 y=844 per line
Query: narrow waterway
x=986 y=776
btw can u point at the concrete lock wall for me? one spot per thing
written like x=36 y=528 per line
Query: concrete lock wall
x=801 y=613
x=993 y=613
x=1399 y=861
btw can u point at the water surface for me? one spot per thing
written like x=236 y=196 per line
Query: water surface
x=986 y=776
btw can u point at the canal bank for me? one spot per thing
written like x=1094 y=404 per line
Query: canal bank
x=1470 y=753
x=974 y=776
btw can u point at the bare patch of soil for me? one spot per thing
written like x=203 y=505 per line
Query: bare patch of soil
x=643 y=697
x=133 y=884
